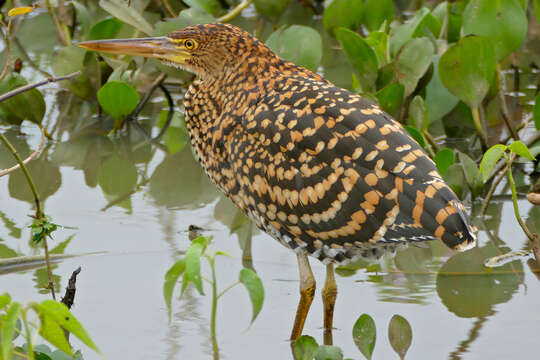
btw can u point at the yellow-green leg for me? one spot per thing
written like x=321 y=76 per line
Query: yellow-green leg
x=307 y=292
x=329 y=294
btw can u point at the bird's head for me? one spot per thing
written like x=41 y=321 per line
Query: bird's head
x=207 y=50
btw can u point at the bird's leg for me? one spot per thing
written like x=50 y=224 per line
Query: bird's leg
x=329 y=294
x=307 y=292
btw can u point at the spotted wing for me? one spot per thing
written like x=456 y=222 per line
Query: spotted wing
x=322 y=169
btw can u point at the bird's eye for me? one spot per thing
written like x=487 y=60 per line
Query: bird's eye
x=189 y=44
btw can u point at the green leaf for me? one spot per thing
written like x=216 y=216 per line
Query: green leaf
x=329 y=352
x=390 y=98
x=417 y=112
x=61 y=247
x=171 y=278
x=118 y=99
x=117 y=176
x=416 y=135
x=9 y=323
x=378 y=41
x=361 y=56
x=521 y=149
x=439 y=101
x=299 y=44
x=255 y=289
x=4 y=300
x=470 y=170
x=342 y=13
x=536 y=111
x=187 y=17
x=376 y=12
x=105 y=29
x=455 y=178
x=212 y=6
x=400 y=335
x=412 y=62
x=503 y=21
x=490 y=158
x=193 y=264
x=305 y=348
x=272 y=7
x=404 y=32
x=51 y=331
x=70 y=59
x=444 y=159
x=60 y=314
x=467 y=68
x=121 y=10
x=365 y=334
x=29 y=105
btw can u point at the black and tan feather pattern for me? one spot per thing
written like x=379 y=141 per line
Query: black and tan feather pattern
x=319 y=168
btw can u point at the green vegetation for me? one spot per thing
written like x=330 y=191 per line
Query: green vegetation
x=459 y=75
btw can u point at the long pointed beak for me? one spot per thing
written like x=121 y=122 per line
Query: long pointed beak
x=151 y=47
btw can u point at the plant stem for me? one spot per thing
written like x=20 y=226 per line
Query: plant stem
x=39 y=214
x=26 y=173
x=504 y=108
x=63 y=35
x=228 y=288
x=28 y=335
x=168 y=7
x=237 y=10
x=532 y=237
x=491 y=191
x=7 y=41
x=478 y=125
x=211 y=260
x=27 y=160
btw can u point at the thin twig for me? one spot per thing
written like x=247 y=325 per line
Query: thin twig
x=169 y=114
x=504 y=107
x=147 y=96
x=62 y=35
x=7 y=40
x=237 y=10
x=25 y=88
x=28 y=159
x=24 y=55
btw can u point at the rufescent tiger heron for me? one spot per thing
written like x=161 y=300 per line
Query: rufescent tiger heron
x=319 y=168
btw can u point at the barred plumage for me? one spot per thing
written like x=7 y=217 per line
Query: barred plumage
x=319 y=168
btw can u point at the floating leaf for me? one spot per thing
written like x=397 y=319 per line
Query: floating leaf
x=299 y=44
x=105 y=29
x=365 y=334
x=192 y=260
x=521 y=149
x=444 y=159
x=400 y=335
x=9 y=323
x=121 y=10
x=361 y=56
x=171 y=278
x=490 y=158
x=467 y=68
x=416 y=135
x=255 y=289
x=390 y=98
x=404 y=32
x=61 y=315
x=376 y=12
x=118 y=99
x=272 y=7
x=29 y=105
x=305 y=348
x=412 y=62
x=342 y=13
x=503 y=21
x=329 y=352
x=51 y=331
